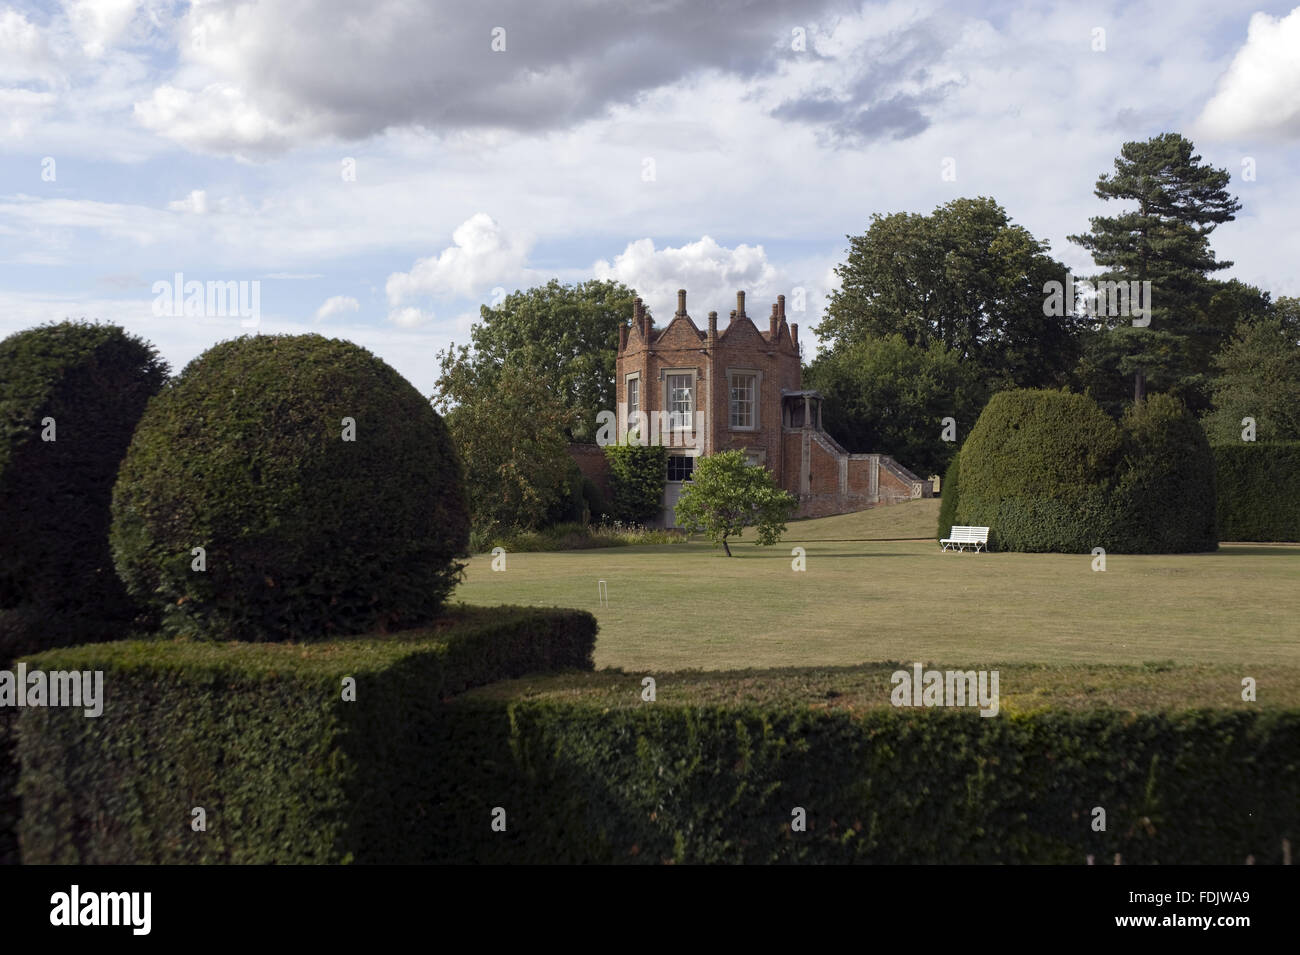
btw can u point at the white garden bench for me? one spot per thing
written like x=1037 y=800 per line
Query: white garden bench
x=963 y=537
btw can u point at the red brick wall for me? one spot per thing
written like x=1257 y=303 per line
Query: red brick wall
x=860 y=476
x=893 y=488
x=592 y=463
x=824 y=471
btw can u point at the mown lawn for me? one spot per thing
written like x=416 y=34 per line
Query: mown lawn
x=686 y=606
x=1022 y=687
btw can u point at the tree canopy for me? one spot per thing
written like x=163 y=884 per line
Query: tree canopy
x=570 y=331
x=510 y=428
x=1259 y=378
x=884 y=395
x=725 y=495
x=965 y=276
x=1165 y=241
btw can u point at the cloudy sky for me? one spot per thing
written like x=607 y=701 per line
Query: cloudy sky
x=383 y=168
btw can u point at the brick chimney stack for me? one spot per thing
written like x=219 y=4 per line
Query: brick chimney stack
x=643 y=320
x=622 y=338
x=774 y=323
x=794 y=335
x=681 y=303
x=713 y=325
x=780 y=306
x=740 y=304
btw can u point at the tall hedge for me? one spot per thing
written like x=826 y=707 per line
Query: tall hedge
x=1037 y=469
x=1259 y=491
x=1050 y=471
x=948 y=492
x=1164 y=501
x=264 y=739
x=323 y=491
x=637 y=476
x=71 y=394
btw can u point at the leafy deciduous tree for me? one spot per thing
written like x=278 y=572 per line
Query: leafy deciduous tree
x=965 y=276
x=570 y=330
x=1259 y=377
x=510 y=428
x=725 y=495
x=883 y=394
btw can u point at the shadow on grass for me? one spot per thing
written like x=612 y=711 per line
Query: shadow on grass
x=1261 y=550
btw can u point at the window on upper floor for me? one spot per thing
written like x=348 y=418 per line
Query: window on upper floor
x=633 y=397
x=744 y=388
x=681 y=400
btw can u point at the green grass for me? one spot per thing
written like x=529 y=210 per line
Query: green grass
x=1023 y=688
x=907 y=521
x=687 y=606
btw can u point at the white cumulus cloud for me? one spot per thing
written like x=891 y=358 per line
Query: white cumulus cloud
x=1260 y=93
x=710 y=273
x=98 y=23
x=195 y=203
x=337 y=305
x=482 y=255
x=409 y=317
x=219 y=118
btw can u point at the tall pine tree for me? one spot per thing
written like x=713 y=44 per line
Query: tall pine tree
x=1165 y=241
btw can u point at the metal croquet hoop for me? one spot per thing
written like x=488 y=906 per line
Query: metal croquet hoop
x=602 y=593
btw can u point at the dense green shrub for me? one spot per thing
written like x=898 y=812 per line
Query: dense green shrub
x=637 y=476
x=306 y=533
x=1050 y=471
x=84 y=385
x=588 y=780
x=1259 y=491
x=948 y=490
x=259 y=735
x=1164 y=502
x=1037 y=470
x=573 y=536
x=89 y=384
x=570 y=506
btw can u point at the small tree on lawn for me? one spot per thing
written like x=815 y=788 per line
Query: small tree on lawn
x=725 y=495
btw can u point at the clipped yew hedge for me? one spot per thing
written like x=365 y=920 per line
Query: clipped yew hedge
x=85 y=387
x=1259 y=491
x=1050 y=471
x=1165 y=495
x=260 y=737
x=304 y=533
x=948 y=492
x=583 y=780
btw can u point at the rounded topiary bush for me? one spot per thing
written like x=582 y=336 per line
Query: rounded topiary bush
x=304 y=533
x=71 y=394
x=1038 y=469
x=1050 y=471
x=1165 y=499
